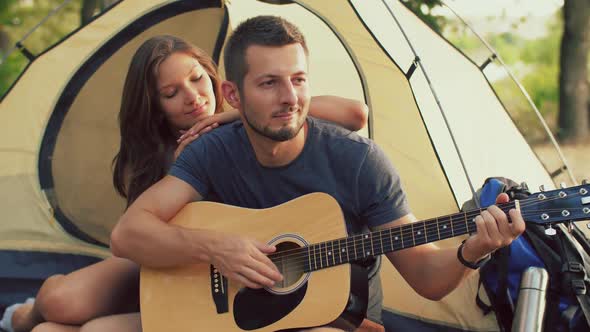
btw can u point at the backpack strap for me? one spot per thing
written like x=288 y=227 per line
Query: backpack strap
x=500 y=300
x=552 y=259
x=578 y=266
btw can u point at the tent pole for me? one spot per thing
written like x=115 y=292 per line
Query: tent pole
x=419 y=63
x=496 y=56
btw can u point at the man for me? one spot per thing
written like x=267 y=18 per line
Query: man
x=276 y=154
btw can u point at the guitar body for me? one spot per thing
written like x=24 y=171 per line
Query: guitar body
x=197 y=298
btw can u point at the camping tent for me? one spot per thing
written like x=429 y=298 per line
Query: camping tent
x=59 y=129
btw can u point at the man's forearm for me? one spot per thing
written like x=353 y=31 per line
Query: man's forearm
x=437 y=274
x=442 y=273
x=146 y=240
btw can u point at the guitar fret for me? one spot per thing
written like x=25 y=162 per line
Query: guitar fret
x=397 y=238
x=339 y=252
x=401 y=235
x=315 y=257
x=309 y=258
x=419 y=235
x=372 y=247
x=452 y=228
x=446 y=227
x=391 y=239
x=466 y=223
x=347 y=251
x=363 y=251
x=332 y=253
x=425 y=232
x=381 y=240
x=432 y=229
x=329 y=253
x=413 y=238
x=323 y=252
x=354 y=244
x=437 y=228
x=319 y=253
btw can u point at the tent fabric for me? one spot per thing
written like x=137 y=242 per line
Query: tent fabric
x=60 y=133
x=29 y=269
x=95 y=211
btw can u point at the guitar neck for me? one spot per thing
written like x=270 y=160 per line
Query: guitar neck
x=358 y=247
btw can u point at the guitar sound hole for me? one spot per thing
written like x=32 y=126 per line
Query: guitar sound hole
x=290 y=263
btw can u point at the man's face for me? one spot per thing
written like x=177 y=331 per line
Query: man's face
x=275 y=92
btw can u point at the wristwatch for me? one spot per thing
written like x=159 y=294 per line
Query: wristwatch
x=473 y=266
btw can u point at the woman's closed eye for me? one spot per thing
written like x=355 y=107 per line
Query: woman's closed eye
x=169 y=94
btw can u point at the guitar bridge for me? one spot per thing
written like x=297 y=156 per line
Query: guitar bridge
x=219 y=290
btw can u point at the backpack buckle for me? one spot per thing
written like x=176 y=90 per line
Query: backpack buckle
x=574 y=267
x=579 y=286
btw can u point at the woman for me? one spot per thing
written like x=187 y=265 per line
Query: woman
x=164 y=107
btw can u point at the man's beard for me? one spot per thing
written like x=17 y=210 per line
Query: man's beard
x=280 y=135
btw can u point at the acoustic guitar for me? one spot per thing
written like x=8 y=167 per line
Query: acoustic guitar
x=315 y=255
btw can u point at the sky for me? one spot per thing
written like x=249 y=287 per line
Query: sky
x=513 y=8
x=497 y=16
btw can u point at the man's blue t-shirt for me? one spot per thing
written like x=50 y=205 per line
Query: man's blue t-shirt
x=221 y=165
x=351 y=168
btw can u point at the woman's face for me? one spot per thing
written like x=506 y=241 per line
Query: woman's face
x=185 y=91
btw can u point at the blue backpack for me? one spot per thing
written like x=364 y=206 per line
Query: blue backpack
x=568 y=300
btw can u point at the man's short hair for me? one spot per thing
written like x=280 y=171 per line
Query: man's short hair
x=259 y=30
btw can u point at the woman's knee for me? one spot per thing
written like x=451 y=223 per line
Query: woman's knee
x=58 y=302
x=52 y=327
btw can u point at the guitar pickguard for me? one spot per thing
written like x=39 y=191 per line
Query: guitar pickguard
x=257 y=308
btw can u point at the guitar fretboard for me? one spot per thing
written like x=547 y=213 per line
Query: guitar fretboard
x=358 y=247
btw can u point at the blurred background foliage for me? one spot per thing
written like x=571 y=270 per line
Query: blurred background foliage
x=534 y=61
x=18 y=19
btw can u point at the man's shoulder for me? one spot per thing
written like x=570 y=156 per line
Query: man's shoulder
x=226 y=131
x=336 y=134
x=226 y=135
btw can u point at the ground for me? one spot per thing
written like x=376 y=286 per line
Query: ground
x=577 y=157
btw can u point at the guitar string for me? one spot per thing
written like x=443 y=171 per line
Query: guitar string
x=303 y=252
x=462 y=216
x=331 y=252
x=408 y=229
x=298 y=264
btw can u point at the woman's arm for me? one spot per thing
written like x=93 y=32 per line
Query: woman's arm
x=203 y=126
x=349 y=113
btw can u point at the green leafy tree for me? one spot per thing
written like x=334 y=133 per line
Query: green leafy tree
x=18 y=18
x=574 y=89
x=423 y=9
x=93 y=7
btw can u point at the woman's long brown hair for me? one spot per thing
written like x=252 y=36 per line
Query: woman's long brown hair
x=147 y=140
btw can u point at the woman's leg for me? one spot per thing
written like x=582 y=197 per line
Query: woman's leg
x=115 y=323
x=105 y=288
x=53 y=327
